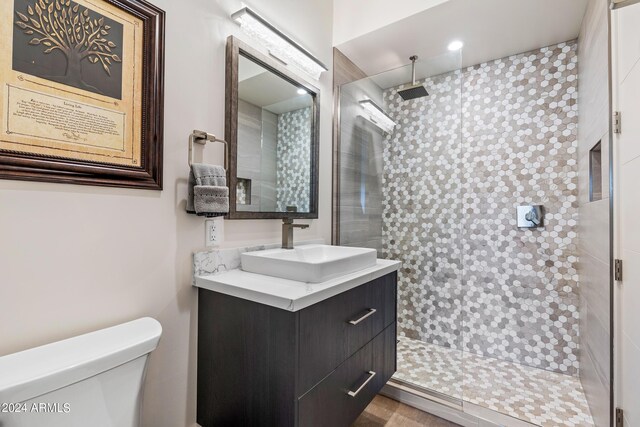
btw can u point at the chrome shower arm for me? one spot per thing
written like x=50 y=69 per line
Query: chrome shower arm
x=413 y=59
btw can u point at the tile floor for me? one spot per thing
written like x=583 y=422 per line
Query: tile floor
x=540 y=397
x=386 y=412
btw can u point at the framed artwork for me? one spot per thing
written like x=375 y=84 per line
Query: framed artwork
x=81 y=92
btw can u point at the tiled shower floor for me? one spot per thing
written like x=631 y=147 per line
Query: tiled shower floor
x=534 y=395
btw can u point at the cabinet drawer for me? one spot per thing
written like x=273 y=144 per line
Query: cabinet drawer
x=332 y=330
x=341 y=397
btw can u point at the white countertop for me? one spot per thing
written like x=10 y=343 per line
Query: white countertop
x=289 y=294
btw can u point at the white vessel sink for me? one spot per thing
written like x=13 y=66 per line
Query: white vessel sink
x=309 y=263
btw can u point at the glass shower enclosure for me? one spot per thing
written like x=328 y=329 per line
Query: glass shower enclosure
x=487 y=310
x=403 y=198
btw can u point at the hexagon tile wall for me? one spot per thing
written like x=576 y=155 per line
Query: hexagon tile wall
x=293 y=176
x=489 y=138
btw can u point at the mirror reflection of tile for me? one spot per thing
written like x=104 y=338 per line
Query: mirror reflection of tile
x=243 y=191
x=274 y=159
x=274 y=142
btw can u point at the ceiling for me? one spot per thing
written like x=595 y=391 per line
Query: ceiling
x=424 y=68
x=490 y=29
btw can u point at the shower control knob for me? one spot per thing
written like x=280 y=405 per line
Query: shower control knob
x=530 y=216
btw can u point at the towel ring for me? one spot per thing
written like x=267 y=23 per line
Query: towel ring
x=200 y=137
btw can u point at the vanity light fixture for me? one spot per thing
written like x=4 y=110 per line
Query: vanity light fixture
x=377 y=116
x=455 y=45
x=279 y=44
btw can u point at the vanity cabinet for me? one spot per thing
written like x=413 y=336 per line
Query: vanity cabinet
x=320 y=366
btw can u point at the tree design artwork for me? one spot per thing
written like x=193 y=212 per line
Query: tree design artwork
x=61 y=25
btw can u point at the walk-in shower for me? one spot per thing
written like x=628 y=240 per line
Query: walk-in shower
x=487 y=312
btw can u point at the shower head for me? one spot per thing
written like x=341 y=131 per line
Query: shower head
x=415 y=90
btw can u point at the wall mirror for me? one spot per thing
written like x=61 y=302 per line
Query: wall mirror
x=272 y=118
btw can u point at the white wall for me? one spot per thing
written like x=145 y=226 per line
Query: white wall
x=353 y=18
x=74 y=259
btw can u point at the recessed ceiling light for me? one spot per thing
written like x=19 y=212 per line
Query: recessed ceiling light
x=455 y=45
x=302 y=91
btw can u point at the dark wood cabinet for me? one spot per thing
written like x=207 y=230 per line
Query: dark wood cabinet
x=263 y=366
x=363 y=375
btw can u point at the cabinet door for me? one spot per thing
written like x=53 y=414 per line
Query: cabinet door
x=246 y=363
x=332 y=330
x=341 y=397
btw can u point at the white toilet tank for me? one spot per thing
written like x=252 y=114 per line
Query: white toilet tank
x=90 y=380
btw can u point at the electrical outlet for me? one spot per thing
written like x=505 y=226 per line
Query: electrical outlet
x=214 y=231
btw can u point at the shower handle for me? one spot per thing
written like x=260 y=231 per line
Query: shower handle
x=532 y=216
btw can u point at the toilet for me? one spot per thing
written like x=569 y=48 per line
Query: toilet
x=90 y=380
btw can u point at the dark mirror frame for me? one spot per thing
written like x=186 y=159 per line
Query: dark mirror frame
x=235 y=48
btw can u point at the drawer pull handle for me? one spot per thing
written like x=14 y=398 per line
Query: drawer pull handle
x=369 y=313
x=355 y=393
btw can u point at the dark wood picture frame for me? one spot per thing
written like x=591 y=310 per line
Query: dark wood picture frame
x=19 y=166
x=235 y=48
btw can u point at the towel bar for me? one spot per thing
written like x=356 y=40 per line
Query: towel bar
x=200 y=137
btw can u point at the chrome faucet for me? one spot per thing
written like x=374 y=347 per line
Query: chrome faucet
x=287 y=232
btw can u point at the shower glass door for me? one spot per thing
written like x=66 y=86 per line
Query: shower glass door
x=400 y=192
x=520 y=119
x=488 y=309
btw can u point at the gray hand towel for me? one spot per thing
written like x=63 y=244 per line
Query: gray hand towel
x=211 y=200
x=204 y=174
